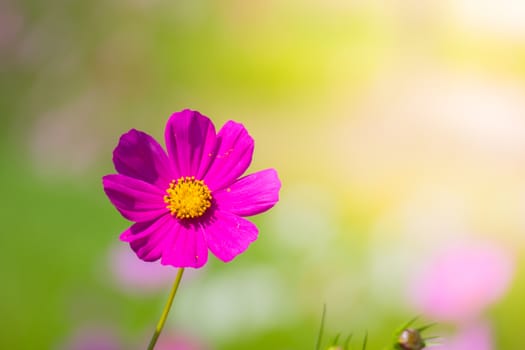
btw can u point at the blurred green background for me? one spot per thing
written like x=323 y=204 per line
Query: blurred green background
x=397 y=127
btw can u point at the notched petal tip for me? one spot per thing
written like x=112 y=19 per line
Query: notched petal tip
x=186 y=112
x=250 y=195
x=273 y=177
x=190 y=137
x=180 y=121
x=233 y=155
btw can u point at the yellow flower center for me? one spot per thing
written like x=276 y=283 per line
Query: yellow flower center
x=187 y=198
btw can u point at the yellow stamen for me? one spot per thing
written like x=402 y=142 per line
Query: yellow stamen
x=187 y=198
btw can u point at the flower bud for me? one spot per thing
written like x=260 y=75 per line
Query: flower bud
x=410 y=339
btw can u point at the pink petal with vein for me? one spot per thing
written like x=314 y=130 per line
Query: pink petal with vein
x=186 y=248
x=138 y=155
x=229 y=235
x=151 y=247
x=231 y=158
x=135 y=199
x=190 y=139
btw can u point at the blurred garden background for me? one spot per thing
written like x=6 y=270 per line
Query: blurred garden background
x=397 y=128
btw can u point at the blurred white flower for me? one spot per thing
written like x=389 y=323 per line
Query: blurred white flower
x=239 y=301
x=504 y=18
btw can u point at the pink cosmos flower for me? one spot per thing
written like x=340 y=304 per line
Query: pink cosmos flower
x=136 y=276
x=191 y=199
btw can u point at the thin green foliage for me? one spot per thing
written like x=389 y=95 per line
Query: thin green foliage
x=321 y=329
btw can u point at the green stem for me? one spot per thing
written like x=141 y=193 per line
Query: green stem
x=166 y=310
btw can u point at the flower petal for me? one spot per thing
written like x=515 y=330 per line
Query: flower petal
x=150 y=242
x=250 y=195
x=136 y=200
x=144 y=229
x=187 y=248
x=232 y=157
x=138 y=155
x=228 y=235
x=190 y=140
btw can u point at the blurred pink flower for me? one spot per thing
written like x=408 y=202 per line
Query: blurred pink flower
x=180 y=342
x=11 y=23
x=132 y=274
x=93 y=338
x=58 y=139
x=475 y=336
x=461 y=281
